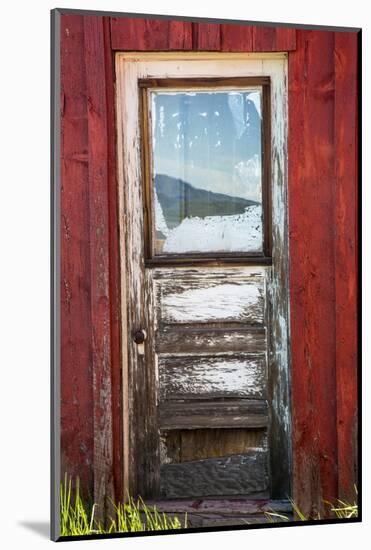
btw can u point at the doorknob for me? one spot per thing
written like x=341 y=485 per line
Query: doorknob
x=139 y=336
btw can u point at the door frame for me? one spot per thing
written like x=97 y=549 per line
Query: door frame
x=130 y=67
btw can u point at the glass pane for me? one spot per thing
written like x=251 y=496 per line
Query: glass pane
x=207 y=171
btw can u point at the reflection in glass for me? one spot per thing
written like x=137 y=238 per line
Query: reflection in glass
x=207 y=171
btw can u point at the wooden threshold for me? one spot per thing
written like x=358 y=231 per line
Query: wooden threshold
x=210 y=512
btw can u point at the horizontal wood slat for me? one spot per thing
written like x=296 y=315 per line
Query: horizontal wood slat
x=172 y=339
x=185 y=445
x=226 y=507
x=209 y=299
x=231 y=475
x=244 y=413
x=222 y=512
x=138 y=34
x=196 y=377
x=202 y=444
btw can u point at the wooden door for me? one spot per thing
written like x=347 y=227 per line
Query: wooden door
x=202 y=183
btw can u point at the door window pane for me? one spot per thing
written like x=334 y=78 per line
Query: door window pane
x=207 y=171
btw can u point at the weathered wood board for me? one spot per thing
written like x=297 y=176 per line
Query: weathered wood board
x=233 y=413
x=185 y=339
x=198 y=377
x=199 y=297
x=185 y=445
x=231 y=475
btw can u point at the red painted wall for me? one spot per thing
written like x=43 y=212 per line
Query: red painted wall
x=322 y=240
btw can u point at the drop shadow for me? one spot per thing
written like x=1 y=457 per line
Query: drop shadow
x=41 y=528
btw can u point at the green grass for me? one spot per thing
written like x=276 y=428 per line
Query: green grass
x=341 y=509
x=77 y=518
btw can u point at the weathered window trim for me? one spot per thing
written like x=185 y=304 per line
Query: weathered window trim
x=148 y=85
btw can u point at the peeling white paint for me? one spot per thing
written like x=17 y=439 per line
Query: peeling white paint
x=243 y=377
x=213 y=303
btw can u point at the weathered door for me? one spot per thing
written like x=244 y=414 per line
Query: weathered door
x=202 y=161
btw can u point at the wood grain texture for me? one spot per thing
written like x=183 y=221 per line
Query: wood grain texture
x=139 y=373
x=232 y=475
x=206 y=36
x=189 y=339
x=99 y=261
x=150 y=34
x=312 y=268
x=88 y=153
x=277 y=317
x=346 y=260
x=76 y=380
x=199 y=377
x=202 y=444
x=285 y=39
x=199 y=297
x=221 y=512
x=250 y=38
x=237 y=38
x=244 y=413
x=264 y=39
x=228 y=507
x=114 y=270
x=185 y=445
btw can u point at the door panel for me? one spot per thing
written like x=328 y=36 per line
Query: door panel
x=201 y=377
x=213 y=378
x=210 y=296
x=227 y=475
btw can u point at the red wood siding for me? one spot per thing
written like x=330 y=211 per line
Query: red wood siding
x=346 y=258
x=242 y=38
x=91 y=378
x=77 y=433
x=312 y=185
x=322 y=239
x=131 y=34
x=206 y=37
x=150 y=34
x=323 y=264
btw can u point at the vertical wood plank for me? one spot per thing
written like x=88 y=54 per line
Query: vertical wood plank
x=143 y=452
x=114 y=268
x=206 y=36
x=312 y=284
x=264 y=39
x=99 y=261
x=236 y=38
x=346 y=258
x=285 y=39
x=76 y=372
x=150 y=34
x=277 y=310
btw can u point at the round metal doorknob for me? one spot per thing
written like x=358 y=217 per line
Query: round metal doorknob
x=139 y=336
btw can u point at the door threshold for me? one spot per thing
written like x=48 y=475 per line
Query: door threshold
x=211 y=511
